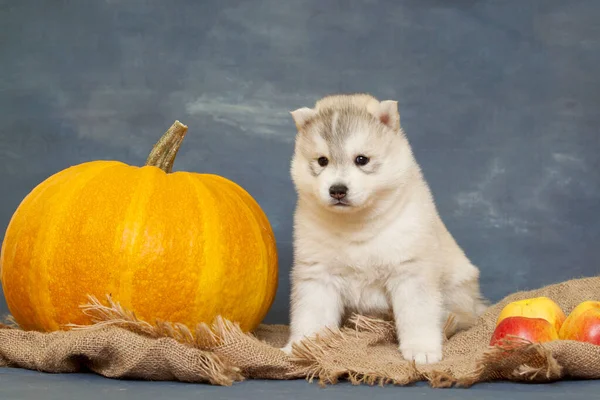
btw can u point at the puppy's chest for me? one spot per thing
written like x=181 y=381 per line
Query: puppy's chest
x=362 y=274
x=361 y=271
x=373 y=261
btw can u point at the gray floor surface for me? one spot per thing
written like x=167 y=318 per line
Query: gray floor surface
x=17 y=384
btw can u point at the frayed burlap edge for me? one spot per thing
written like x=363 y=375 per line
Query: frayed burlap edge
x=304 y=362
x=310 y=354
x=514 y=359
x=113 y=314
x=215 y=339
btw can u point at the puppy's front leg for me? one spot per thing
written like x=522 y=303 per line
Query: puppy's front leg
x=417 y=306
x=316 y=304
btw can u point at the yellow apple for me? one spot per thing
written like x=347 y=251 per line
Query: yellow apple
x=583 y=323
x=537 y=307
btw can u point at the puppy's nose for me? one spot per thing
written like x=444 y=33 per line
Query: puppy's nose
x=338 y=191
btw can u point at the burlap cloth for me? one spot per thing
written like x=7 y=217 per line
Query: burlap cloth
x=120 y=346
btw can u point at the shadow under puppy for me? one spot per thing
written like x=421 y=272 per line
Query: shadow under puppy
x=367 y=234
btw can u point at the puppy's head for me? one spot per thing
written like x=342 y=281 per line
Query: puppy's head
x=350 y=152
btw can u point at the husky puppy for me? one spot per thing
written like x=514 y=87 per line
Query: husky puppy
x=367 y=234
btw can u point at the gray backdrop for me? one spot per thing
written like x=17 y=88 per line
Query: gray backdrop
x=500 y=100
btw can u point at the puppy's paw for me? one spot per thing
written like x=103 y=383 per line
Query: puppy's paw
x=422 y=353
x=422 y=357
x=287 y=349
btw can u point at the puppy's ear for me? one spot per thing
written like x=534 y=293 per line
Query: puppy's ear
x=387 y=113
x=302 y=115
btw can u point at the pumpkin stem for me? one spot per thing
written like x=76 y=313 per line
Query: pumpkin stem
x=165 y=150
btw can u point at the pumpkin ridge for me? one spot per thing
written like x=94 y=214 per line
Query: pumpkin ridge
x=20 y=221
x=87 y=204
x=41 y=295
x=254 y=298
x=267 y=236
x=30 y=198
x=180 y=222
x=249 y=220
x=256 y=225
x=211 y=258
x=136 y=211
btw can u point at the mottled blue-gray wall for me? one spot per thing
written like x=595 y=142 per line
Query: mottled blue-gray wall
x=500 y=99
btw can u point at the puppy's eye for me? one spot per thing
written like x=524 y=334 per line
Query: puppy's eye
x=323 y=161
x=361 y=160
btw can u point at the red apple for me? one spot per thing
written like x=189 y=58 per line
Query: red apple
x=536 y=330
x=583 y=324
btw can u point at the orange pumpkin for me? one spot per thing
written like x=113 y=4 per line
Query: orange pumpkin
x=183 y=247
